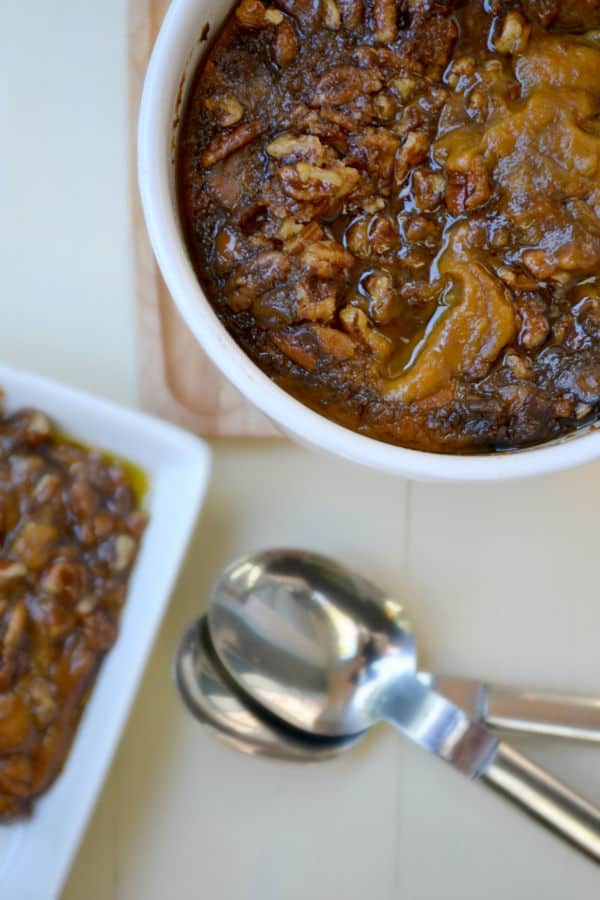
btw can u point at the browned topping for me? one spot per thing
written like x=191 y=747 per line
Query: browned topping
x=69 y=532
x=395 y=209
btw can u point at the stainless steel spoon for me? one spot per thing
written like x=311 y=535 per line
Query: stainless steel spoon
x=219 y=705
x=216 y=702
x=329 y=653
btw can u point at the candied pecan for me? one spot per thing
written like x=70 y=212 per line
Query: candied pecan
x=307 y=234
x=420 y=228
x=229 y=141
x=518 y=281
x=11 y=641
x=42 y=700
x=357 y=237
x=535 y=327
x=100 y=630
x=384 y=300
x=11 y=571
x=315 y=301
x=385 y=17
x=34 y=542
x=65 y=579
x=327 y=259
x=382 y=235
x=259 y=274
x=357 y=323
x=428 y=189
x=228 y=109
x=384 y=106
x=374 y=150
x=342 y=84
x=434 y=37
x=511 y=35
x=404 y=87
x=331 y=18
x=293 y=344
x=460 y=73
x=15 y=723
x=466 y=191
x=413 y=151
x=16 y=775
x=286 y=46
x=517 y=364
x=254 y=14
x=352 y=13
x=307 y=147
x=47 y=487
x=303 y=181
x=335 y=343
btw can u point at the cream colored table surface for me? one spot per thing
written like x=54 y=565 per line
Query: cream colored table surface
x=501 y=581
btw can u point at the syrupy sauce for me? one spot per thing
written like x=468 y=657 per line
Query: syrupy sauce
x=395 y=210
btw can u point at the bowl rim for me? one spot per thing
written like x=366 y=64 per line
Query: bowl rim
x=167 y=68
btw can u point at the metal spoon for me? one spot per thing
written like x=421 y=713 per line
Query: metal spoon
x=217 y=703
x=329 y=653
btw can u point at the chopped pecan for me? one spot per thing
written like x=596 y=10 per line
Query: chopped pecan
x=100 y=630
x=385 y=17
x=307 y=147
x=518 y=365
x=294 y=345
x=229 y=141
x=42 y=700
x=384 y=300
x=315 y=301
x=428 y=189
x=259 y=274
x=518 y=281
x=374 y=150
x=33 y=545
x=286 y=46
x=412 y=153
x=254 y=14
x=65 y=579
x=384 y=106
x=228 y=109
x=303 y=181
x=460 y=73
x=357 y=237
x=335 y=343
x=327 y=259
x=342 y=84
x=382 y=235
x=352 y=13
x=357 y=323
x=13 y=635
x=468 y=190
x=420 y=228
x=332 y=18
x=512 y=34
x=16 y=775
x=11 y=571
x=307 y=234
x=404 y=87
x=535 y=327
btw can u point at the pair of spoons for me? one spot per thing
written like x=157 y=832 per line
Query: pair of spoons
x=298 y=658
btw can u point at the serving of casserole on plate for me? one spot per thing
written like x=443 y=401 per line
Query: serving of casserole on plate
x=36 y=849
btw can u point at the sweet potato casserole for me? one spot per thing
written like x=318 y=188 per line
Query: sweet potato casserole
x=70 y=527
x=394 y=208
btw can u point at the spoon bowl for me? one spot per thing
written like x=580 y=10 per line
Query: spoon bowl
x=315 y=645
x=213 y=700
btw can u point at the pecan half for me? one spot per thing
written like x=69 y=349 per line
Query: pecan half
x=342 y=84
x=286 y=46
x=327 y=259
x=229 y=141
x=412 y=153
x=385 y=18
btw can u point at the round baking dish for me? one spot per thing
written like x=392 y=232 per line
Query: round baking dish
x=180 y=44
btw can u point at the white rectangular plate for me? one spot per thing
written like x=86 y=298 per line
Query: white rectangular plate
x=35 y=855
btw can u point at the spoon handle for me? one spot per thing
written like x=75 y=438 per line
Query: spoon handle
x=443 y=729
x=541 y=795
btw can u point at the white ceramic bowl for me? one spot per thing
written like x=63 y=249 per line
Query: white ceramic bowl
x=176 y=53
x=35 y=855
